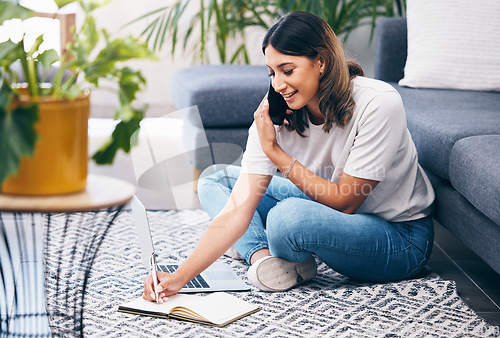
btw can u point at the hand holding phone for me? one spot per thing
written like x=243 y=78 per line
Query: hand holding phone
x=277 y=106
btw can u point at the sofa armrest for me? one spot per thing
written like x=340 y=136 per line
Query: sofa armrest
x=390 y=48
x=226 y=95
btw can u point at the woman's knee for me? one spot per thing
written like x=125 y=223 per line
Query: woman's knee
x=286 y=219
x=286 y=227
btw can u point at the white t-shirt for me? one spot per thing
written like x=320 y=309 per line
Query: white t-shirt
x=374 y=145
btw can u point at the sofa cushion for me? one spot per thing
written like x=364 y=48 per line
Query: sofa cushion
x=439 y=118
x=226 y=95
x=453 y=44
x=475 y=173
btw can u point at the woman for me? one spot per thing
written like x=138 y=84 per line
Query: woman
x=352 y=192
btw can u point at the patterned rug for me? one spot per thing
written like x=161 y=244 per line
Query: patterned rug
x=329 y=305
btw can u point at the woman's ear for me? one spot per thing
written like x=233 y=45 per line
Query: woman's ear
x=321 y=64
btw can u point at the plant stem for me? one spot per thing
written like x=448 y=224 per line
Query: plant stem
x=32 y=77
x=57 y=82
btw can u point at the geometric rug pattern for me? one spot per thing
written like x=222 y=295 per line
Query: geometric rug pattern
x=330 y=305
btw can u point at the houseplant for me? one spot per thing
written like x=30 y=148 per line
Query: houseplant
x=222 y=19
x=84 y=66
x=227 y=20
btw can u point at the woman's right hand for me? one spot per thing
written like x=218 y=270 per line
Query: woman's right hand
x=168 y=285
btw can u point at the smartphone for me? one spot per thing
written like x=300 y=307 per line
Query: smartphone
x=277 y=106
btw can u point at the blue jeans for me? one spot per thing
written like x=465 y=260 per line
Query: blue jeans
x=292 y=226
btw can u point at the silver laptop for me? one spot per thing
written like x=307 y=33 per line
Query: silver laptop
x=217 y=277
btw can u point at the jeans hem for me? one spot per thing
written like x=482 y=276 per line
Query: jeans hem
x=254 y=250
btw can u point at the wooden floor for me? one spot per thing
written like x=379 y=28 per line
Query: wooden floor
x=477 y=283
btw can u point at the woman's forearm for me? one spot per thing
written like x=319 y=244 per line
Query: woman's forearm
x=220 y=236
x=228 y=226
x=345 y=196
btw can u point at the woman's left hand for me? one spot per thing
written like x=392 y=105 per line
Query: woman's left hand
x=265 y=127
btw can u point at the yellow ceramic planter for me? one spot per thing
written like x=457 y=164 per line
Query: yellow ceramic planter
x=60 y=162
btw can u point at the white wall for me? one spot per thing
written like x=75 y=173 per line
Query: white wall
x=156 y=95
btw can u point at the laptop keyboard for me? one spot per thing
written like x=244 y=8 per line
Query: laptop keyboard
x=197 y=282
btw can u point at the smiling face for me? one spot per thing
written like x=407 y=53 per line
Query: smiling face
x=296 y=78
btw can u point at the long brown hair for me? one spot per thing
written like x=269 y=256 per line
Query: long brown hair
x=305 y=34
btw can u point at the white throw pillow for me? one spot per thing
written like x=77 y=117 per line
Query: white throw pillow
x=453 y=44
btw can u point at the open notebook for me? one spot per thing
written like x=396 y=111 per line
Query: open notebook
x=216 y=309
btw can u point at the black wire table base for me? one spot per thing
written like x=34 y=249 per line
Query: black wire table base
x=22 y=309
x=70 y=245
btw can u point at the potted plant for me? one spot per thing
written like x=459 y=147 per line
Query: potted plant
x=44 y=119
x=227 y=20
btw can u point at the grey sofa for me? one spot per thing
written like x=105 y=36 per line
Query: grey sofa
x=457 y=134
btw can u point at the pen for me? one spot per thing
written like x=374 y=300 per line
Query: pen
x=155 y=276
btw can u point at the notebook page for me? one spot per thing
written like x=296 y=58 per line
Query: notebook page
x=221 y=307
x=165 y=307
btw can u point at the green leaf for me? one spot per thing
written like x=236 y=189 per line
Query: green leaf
x=91 y=5
x=88 y=36
x=6 y=48
x=6 y=94
x=161 y=9
x=12 y=10
x=121 y=49
x=241 y=50
x=17 y=138
x=10 y=52
x=124 y=111
x=87 y=5
x=35 y=46
x=130 y=83
x=47 y=58
x=160 y=28
x=62 y=3
x=73 y=91
x=122 y=138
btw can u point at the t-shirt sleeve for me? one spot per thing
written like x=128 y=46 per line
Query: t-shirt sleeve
x=378 y=137
x=254 y=159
